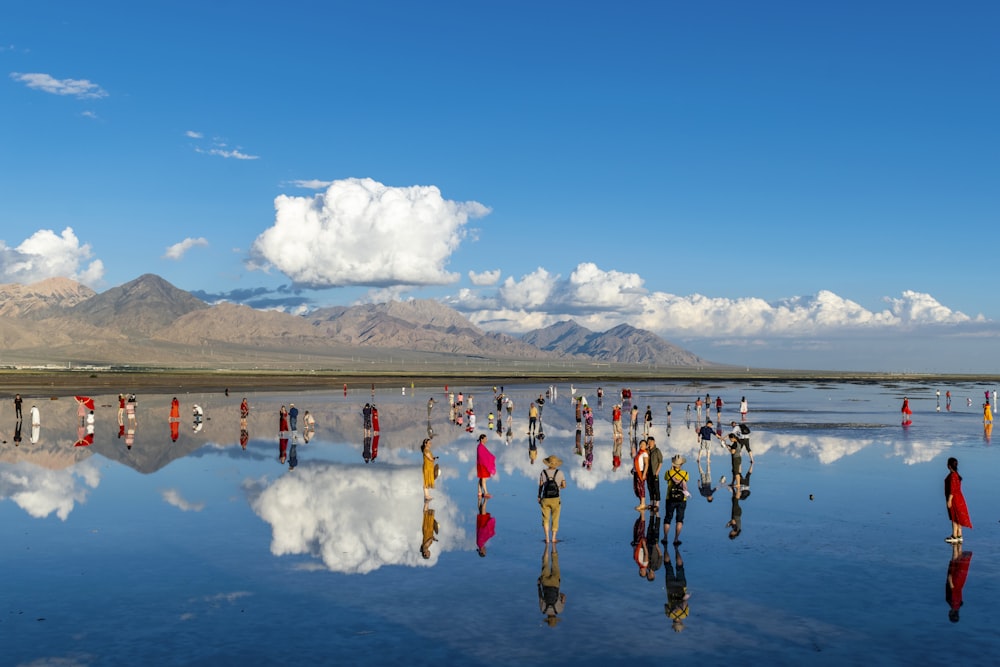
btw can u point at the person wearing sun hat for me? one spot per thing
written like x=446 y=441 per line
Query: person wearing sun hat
x=550 y=483
x=677 y=495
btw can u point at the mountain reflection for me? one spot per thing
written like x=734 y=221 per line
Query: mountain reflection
x=354 y=518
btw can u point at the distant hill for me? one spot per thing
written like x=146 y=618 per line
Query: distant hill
x=621 y=344
x=148 y=321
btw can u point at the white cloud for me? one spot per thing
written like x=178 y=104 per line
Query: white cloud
x=311 y=184
x=222 y=151
x=191 y=134
x=79 y=88
x=361 y=232
x=40 y=491
x=177 y=250
x=599 y=300
x=486 y=278
x=355 y=519
x=47 y=255
x=173 y=497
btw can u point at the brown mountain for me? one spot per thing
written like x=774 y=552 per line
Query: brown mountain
x=34 y=299
x=621 y=344
x=150 y=322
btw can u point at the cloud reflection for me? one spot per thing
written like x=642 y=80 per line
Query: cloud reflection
x=40 y=491
x=355 y=519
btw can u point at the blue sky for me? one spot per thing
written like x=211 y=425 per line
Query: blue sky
x=786 y=184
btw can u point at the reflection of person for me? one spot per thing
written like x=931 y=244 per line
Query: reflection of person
x=175 y=410
x=17 y=406
x=550 y=482
x=735 y=523
x=244 y=408
x=653 y=553
x=283 y=419
x=705 y=487
x=81 y=412
x=676 y=607
x=486 y=465
x=551 y=600
x=428 y=467
x=486 y=528
x=532 y=418
x=958 y=571
x=36 y=418
x=957 y=510
x=293 y=456
x=366 y=416
x=130 y=411
x=17 y=433
x=282 y=450
x=428 y=529
x=121 y=409
x=743 y=408
x=677 y=495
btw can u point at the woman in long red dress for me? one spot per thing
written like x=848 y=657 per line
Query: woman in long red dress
x=958 y=512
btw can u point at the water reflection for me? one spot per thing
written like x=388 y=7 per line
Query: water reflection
x=486 y=527
x=551 y=599
x=354 y=518
x=676 y=608
x=958 y=572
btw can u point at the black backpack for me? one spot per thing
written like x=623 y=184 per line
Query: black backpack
x=676 y=490
x=550 y=488
x=744 y=429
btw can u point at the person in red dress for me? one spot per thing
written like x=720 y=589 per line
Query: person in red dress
x=486 y=465
x=958 y=512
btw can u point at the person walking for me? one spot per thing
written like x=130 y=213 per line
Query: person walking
x=551 y=481
x=486 y=465
x=17 y=407
x=647 y=421
x=958 y=512
x=705 y=435
x=677 y=495
x=743 y=408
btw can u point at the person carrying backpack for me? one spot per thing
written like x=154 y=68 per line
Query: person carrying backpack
x=677 y=495
x=550 y=482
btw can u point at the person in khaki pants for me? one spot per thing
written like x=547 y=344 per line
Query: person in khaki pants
x=550 y=483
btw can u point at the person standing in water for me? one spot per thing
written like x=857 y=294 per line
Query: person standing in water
x=958 y=512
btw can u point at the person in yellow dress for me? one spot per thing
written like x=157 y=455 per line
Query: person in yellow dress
x=428 y=467
x=987 y=413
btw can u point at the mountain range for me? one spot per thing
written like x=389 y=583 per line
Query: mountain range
x=149 y=322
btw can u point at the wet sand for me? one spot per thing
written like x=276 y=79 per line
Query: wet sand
x=70 y=382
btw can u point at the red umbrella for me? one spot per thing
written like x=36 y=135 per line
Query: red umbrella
x=85 y=441
x=87 y=401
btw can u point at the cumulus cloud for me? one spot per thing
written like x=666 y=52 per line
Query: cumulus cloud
x=486 y=278
x=361 y=232
x=173 y=497
x=354 y=519
x=177 y=250
x=599 y=300
x=191 y=134
x=45 y=254
x=79 y=88
x=41 y=492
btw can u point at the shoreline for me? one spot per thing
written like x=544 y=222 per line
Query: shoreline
x=87 y=381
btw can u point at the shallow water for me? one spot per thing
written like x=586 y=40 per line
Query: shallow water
x=200 y=552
